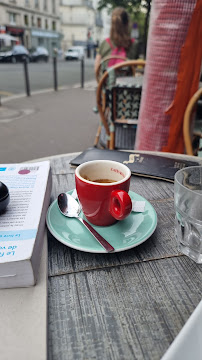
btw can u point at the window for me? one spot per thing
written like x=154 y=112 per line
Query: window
x=12 y=18
x=45 y=5
x=26 y=20
x=36 y=3
x=27 y=3
x=54 y=25
x=53 y=6
x=46 y=24
x=41 y=42
x=32 y=21
x=39 y=22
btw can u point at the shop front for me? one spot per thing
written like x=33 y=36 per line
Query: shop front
x=50 y=40
x=16 y=31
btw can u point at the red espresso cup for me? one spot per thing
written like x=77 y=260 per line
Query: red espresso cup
x=102 y=187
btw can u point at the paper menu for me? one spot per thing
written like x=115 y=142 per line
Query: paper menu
x=18 y=225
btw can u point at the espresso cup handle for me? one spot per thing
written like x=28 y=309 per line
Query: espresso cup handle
x=120 y=204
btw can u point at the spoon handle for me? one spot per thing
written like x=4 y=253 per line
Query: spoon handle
x=97 y=236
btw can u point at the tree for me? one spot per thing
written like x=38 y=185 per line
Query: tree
x=136 y=9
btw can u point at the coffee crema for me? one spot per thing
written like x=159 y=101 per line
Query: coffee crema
x=100 y=180
x=103 y=181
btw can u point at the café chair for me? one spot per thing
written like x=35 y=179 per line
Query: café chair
x=103 y=65
x=100 y=71
x=192 y=126
x=118 y=101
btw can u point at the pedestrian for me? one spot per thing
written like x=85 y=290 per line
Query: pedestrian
x=120 y=42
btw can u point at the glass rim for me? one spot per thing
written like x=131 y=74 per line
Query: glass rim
x=180 y=171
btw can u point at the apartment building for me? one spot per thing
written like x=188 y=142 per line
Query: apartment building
x=104 y=31
x=81 y=23
x=34 y=22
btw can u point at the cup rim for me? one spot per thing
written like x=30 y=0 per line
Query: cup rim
x=128 y=175
x=180 y=171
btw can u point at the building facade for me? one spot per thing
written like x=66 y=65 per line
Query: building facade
x=81 y=24
x=104 y=31
x=34 y=22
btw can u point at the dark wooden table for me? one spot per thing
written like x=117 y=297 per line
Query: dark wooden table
x=126 y=305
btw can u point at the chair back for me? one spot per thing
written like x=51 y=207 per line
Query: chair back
x=123 y=100
x=103 y=65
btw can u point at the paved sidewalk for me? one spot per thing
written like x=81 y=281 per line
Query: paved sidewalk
x=49 y=123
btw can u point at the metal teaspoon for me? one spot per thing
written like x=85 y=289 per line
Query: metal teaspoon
x=69 y=207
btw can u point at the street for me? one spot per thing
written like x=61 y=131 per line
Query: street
x=12 y=78
x=51 y=122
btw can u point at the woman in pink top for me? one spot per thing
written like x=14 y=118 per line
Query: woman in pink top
x=120 y=42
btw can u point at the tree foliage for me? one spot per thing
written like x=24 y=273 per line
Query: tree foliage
x=131 y=6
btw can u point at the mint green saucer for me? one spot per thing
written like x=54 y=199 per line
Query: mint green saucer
x=122 y=235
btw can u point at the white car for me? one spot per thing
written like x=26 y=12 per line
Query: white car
x=75 y=53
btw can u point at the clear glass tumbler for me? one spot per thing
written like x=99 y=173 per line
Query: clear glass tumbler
x=188 y=207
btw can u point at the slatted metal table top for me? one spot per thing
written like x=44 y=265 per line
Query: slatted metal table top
x=126 y=305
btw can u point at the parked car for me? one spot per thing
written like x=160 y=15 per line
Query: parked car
x=75 y=53
x=15 y=54
x=39 y=54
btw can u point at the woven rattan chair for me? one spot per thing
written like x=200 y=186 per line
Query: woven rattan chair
x=118 y=104
x=192 y=127
x=99 y=72
x=103 y=65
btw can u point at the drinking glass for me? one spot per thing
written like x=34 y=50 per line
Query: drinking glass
x=188 y=207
